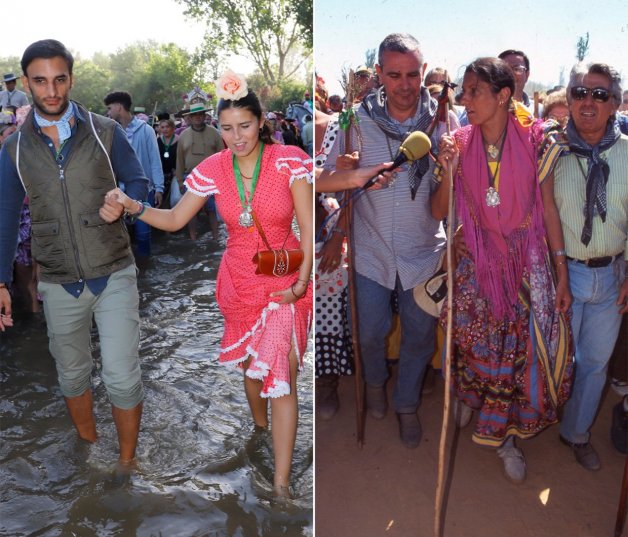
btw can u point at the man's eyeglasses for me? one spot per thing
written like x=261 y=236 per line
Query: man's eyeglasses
x=519 y=69
x=599 y=95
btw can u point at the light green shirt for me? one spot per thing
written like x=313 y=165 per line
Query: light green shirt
x=611 y=237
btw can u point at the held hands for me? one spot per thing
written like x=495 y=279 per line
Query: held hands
x=116 y=202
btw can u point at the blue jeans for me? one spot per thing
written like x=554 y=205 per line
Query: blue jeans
x=595 y=326
x=417 y=340
x=142 y=232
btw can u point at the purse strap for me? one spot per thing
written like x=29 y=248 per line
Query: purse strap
x=261 y=231
x=263 y=235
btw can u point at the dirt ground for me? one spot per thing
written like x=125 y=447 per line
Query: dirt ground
x=385 y=489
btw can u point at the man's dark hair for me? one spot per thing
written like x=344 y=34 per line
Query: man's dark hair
x=512 y=52
x=46 y=48
x=119 y=97
x=399 y=43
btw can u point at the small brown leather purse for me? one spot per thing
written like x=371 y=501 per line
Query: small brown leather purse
x=275 y=262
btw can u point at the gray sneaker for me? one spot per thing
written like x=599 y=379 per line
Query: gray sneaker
x=585 y=454
x=462 y=414
x=514 y=463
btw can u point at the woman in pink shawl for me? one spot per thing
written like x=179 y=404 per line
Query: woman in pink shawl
x=512 y=353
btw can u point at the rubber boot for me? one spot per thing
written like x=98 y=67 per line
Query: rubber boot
x=128 y=427
x=80 y=409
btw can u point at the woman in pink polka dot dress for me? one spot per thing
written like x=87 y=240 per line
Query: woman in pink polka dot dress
x=267 y=318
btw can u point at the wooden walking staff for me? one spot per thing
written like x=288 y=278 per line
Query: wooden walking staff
x=623 y=498
x=347 y=120
x=443 y=101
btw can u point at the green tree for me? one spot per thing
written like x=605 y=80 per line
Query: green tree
x=128 y=67
x=370 y=58
x=582 y=47
x=267 y=29
x=303 y=11
x=10 y=65
x=90 y=79
x=169 y=74
x=276 y=97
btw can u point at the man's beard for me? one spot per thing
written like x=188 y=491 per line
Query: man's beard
x=42 y=110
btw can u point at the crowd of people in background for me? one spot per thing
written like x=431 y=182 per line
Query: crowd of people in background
x=168 y=145
x=524 y=166
x=90 y=179
x=550 y=269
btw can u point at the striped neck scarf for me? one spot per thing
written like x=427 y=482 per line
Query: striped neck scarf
x=374 y=105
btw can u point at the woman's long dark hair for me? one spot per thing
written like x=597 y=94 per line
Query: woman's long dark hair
x=495 y=72
x=252 y=104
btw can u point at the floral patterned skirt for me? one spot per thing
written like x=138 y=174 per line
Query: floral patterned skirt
x=496 y=368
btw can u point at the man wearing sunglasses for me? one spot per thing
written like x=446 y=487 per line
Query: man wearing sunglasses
x=591 y=193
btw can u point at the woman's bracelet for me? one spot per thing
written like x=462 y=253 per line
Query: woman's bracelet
x=557 y=253
x=132 y=217
x=339 y=231
x=295 y=295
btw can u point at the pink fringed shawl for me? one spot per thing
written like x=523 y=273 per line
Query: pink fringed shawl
x=501 y=239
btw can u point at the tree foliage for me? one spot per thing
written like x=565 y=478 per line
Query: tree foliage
x=582 y=47
x=158 y=76
x=370 y=56
x=269 y=31
x=303 y=11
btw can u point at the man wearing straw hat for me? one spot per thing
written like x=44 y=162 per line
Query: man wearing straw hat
x=196 y=143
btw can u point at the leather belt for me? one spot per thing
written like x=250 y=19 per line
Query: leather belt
x=597 y=262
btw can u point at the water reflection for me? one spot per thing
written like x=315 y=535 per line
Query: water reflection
x=202 y=469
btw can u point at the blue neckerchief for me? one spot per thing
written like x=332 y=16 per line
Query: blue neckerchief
x=63 y=124
x=597 y=173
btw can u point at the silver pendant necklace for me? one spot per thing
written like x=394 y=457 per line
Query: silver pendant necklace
x=246 y=219
x=246 y=198
x=492 y=194
x=493 y=151
x=492 y=197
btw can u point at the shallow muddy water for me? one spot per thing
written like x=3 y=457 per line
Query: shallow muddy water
x=202 y=470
